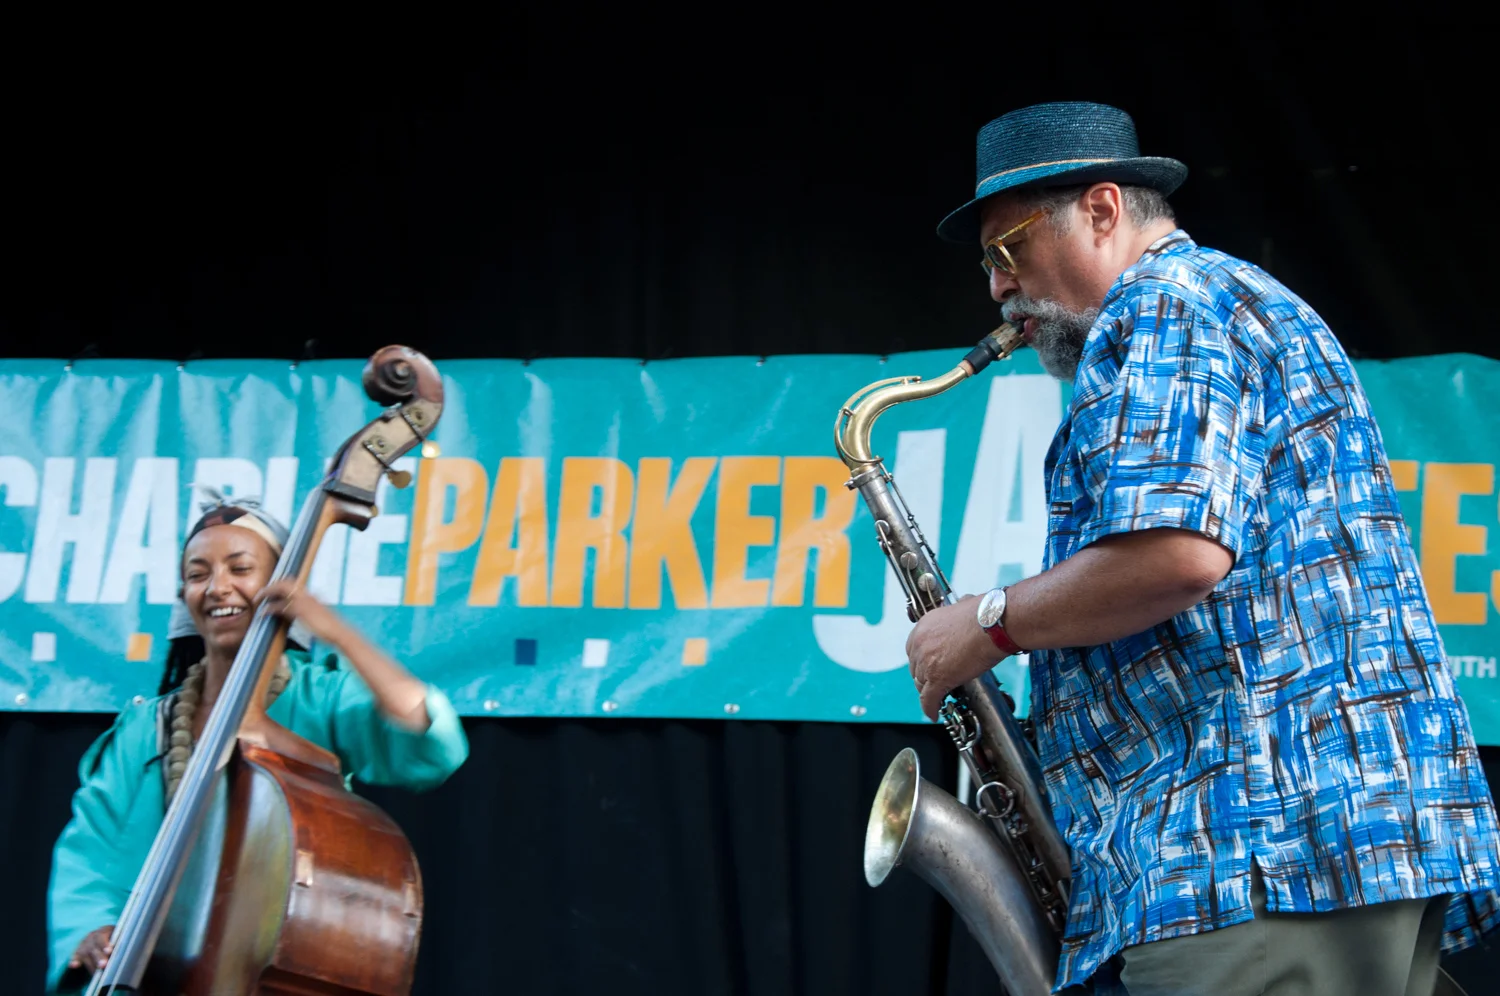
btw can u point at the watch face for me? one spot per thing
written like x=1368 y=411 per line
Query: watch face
x=991 y=608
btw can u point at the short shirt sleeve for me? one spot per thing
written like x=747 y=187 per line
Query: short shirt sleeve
x=1178 y=439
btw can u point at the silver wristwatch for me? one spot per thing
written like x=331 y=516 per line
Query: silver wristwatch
x=991 y=616
x=992 y=608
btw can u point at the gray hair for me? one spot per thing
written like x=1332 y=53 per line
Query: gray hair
x=1143 y=204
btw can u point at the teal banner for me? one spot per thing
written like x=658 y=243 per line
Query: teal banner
x=611 y=538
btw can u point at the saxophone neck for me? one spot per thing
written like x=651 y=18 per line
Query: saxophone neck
x=856 y=419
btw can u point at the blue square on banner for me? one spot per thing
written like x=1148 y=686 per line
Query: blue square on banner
x=526 y=652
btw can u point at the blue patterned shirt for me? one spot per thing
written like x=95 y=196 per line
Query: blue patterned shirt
x=1302 y=715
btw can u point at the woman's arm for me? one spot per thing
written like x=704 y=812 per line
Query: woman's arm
x=398 y=694
x=388 y=727
x=99 y=853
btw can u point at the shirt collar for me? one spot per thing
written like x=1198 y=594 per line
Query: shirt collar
x=1175 y=241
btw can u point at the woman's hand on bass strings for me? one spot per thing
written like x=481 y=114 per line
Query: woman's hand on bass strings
x=291 y=601
x=94 y=951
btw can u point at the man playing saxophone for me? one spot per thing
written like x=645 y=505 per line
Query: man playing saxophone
x=1241 y=704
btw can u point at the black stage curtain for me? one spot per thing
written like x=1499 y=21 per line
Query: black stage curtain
x=620 y=857
x=552 y=199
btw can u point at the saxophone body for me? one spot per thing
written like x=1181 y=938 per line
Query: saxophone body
x=1003 y=865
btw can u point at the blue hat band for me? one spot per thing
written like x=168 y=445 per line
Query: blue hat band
x=1056 y=162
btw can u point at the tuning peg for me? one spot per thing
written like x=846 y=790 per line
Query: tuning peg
x=398 y=478
x=430 y=449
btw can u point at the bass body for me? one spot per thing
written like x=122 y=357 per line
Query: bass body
x=295 y=885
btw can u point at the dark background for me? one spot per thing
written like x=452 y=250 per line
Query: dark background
x=544 y=183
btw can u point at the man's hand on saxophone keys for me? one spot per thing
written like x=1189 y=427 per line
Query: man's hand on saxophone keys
x=946 y=648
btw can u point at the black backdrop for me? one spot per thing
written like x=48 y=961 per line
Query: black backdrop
x=547 y=185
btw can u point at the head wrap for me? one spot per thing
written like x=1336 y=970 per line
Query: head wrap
x=245 y=513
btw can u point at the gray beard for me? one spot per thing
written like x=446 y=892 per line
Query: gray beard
x=1059 y=335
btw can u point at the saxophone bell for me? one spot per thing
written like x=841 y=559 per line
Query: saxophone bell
x=917 y=825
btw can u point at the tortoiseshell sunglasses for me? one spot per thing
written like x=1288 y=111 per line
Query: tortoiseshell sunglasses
x=997 y=256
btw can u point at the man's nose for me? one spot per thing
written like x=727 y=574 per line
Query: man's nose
x=1002 y=285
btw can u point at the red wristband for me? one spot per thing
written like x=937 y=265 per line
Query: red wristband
x=1003 y=641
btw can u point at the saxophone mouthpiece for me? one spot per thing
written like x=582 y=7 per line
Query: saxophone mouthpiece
x=996 y=346
x=1007 y=340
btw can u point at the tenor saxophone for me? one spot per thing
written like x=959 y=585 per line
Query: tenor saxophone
x=1003 y=865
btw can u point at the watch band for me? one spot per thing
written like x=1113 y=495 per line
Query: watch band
x=1003 y=641
x=996 y=629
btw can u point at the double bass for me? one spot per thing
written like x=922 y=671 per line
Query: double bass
x=267 y=875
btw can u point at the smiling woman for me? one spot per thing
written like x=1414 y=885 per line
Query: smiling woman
x=385 y=726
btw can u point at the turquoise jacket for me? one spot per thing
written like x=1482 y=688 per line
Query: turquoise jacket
x=120 y=802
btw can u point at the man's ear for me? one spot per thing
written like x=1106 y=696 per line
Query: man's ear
x=1104 y=203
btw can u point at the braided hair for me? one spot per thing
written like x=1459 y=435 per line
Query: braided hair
x=182 y=653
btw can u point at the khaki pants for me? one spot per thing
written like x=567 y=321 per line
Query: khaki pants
x=1390 y=949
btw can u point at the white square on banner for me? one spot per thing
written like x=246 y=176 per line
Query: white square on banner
x=44 y=646
x=595 y=653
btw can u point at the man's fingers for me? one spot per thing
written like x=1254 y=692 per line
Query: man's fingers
x=931 y=699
